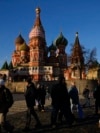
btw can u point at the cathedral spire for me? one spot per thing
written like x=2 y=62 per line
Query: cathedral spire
x=38 y=21
x=76 y=34
x=37 y=30
x=77 y=54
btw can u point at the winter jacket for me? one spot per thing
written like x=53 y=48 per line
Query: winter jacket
x=96 y=93
x=59 y=95
x=73 y=94
x=30 y=95
x=6 y=99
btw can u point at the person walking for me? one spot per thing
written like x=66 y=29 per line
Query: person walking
x=74 y=96
x=30 y=97
x=39 y=97
x=86 y=94
x=47 y=92
x=6 y=101
x=60 y=102
x=96 y=95
x=42 y=97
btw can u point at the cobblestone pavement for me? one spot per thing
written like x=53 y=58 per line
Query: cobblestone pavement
x=20 y=105
x=17 y=112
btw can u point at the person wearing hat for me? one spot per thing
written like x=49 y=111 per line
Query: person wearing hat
x=6 y=101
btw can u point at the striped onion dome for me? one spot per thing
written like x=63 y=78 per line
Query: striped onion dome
x=37 y=30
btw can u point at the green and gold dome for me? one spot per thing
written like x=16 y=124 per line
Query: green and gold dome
x=24 y=47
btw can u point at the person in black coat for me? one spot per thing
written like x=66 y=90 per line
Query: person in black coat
x=30 y=96
x=43 y=94
x=96 y=95
x=6 y=101
x=86 y=94
x=60 y=102
x=74 y=99
x=41 y=97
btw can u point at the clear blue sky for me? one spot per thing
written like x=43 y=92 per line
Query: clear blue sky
x=68 y=16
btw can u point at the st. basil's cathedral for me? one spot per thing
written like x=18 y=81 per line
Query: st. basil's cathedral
x=45 y=63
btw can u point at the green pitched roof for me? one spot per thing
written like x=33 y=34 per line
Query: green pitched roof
x=5 y=66
x=10 y=65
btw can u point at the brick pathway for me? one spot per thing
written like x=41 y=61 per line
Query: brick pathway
x=20 y=105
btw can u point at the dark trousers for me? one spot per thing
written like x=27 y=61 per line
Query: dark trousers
x=97 y=104
x=31 y=112
x=5 y=124
x=65 y=111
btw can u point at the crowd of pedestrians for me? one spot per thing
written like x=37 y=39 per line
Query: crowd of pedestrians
x=64 y=101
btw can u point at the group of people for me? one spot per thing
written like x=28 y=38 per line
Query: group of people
x=63 y=101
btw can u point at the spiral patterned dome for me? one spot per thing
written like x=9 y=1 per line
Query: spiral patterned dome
x=37 y=30
x=61 y=40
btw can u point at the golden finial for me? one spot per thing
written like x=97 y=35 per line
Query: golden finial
x=38 y=10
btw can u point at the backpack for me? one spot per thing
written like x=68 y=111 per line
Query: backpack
x=9 y=97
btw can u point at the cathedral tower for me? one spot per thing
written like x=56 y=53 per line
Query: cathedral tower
x=37 y=43
x=77 y=59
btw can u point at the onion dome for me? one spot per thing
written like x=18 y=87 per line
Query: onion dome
x=24 y=47
x=61 y=40
x=19 y=39
x=37 y=30
x=52 y=47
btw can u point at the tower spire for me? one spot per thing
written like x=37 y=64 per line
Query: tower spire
x=37 y=21
x=38 y=10
x=37 y=29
